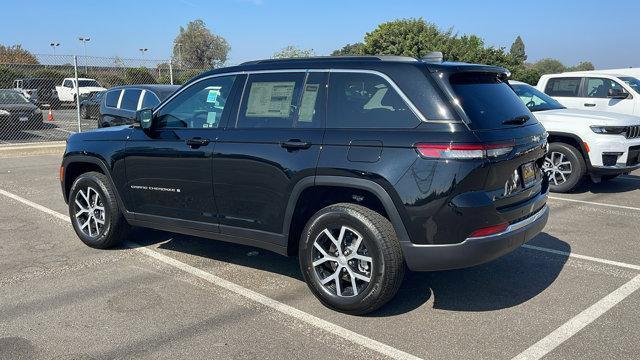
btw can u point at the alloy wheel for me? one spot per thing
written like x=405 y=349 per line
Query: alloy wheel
x=341 y=261
x=89 y=212
x=558 y=167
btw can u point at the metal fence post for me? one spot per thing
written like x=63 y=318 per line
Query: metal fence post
x=77 y=87
x=170 y=72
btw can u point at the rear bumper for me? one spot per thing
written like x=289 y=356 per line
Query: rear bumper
x=474 y=251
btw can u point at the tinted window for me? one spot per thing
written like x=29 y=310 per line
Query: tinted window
x=312 y=102
x=270 y=100
x=362 y=100
x=111 y=99
x=150 y=100
x=67 y=83
x=487 y=100
x=599 y=88
x=567 y=87
x=88 y=83
x=130 y=99
x=201 y=105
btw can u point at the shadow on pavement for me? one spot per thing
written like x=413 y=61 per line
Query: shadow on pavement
x=502 y=283
x=622 y=184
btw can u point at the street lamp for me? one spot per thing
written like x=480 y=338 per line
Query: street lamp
x=143 y=50
x=179 y=54
x=54 y=45
x=84 y=40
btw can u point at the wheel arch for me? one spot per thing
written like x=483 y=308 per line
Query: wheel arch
x=573 y=140
x=296 y=215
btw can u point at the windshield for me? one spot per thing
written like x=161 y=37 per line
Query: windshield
x=633 y=82
x=12 y=97
x=88 y=83
x=535 y=99
x=489 y=102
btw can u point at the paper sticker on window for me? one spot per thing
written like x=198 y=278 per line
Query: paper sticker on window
x=270 y=99
x=308 y=103
x=214 y=92
x=212 y=119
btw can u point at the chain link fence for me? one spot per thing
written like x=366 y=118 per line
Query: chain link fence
x=38 y=101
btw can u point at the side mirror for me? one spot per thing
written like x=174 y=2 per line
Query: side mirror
x=617 y=94
x=145 y=118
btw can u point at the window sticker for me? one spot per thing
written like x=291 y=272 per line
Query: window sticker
x=212 y=96
x=308 y=103
x=212 y=119
x=270 y=99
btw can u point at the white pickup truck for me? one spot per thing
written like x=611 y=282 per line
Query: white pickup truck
x=67 y=92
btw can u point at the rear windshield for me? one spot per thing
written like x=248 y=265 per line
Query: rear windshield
x=489 y=102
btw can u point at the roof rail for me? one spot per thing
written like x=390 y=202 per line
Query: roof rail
x=333 y=58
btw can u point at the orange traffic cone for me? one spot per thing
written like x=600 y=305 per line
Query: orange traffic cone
x=50 y=116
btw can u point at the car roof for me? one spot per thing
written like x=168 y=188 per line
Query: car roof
x=352 y=62
x=584 y=73
x=150 y=87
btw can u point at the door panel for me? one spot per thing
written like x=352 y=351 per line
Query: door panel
x=274 y=141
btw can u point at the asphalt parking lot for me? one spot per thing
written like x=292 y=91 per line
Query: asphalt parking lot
x=65 y=122
x=569 y=293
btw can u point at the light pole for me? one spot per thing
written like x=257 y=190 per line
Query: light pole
x=179 y=54
x=142 y=51
x=84 y=40
x=54 y=45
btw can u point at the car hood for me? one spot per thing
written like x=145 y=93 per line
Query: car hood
x=593 y=117
x=110 y=133
x=18 y=107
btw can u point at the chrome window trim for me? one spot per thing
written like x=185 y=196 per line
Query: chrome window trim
x=384 y=76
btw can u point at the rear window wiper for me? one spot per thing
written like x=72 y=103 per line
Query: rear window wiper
x=518 y=120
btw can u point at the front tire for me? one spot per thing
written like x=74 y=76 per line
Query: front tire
x=84 y=112
x=565 y=167
x=351 y=259
x=94 y=212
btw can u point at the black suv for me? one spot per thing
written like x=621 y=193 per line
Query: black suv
x=359 y=165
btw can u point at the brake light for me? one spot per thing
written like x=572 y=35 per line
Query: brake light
x=464 y=151
x=491 y=230
x=61 y=173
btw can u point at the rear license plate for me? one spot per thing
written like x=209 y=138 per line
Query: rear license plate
x=528 y=171
x=24 y=119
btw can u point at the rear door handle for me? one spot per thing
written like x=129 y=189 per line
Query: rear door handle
x=295 y=144
x=197 y=142
x=589 y=105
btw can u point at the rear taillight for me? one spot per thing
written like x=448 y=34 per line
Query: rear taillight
x=464 y=151
x=491 y=230
x=61 y=174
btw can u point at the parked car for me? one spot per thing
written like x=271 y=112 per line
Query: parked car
x=119 y=105
x=39 y=91
x=601 y=145
x=594 y=91
x=16 y=109
x=68 y=91
x=90 y=106
x=359 y=165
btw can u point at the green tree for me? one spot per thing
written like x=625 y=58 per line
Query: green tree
x=293 y=52
x=549 y=66
x=7 y=75
x=56 y=75
x=408 y=37
x=518 y=51
x=138 y=76
x=582 y=66
x=350 y=49
x=111 y=80
x=197 y=47
x=526 y=74
x=15 y=54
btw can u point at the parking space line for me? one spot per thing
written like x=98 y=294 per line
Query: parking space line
x=583 y=257
x=595 y=203
x=579 y=322
x=247 y=293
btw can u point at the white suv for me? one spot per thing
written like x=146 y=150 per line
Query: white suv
x=594 y=91
x=600 y=144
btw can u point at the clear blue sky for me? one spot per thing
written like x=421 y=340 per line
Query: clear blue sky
x=570 y=31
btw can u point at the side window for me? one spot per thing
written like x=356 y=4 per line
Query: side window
x=270 y=101
x=201 y=105
x=563 y=87
x=111 y=99
x=599 y=88
x=68 y=83
x=150 y=100
x=312 y=103
x=363 y=100
x=130 y=99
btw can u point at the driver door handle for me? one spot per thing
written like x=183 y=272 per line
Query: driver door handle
x=295 y=144
x=196 y=142
x=589 y=104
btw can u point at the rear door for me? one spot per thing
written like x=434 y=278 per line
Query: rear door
x=272 y=142
x=597 y=96
x=567 y=90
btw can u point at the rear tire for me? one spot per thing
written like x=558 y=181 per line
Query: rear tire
x=94 y=212
x=84 y=112
x=369 y=249
x=565 y=167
